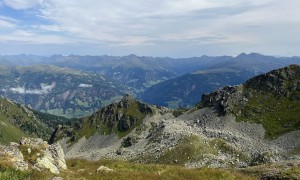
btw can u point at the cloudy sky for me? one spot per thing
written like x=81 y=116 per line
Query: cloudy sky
x=175 y=28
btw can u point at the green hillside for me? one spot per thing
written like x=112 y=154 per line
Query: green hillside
x=17 y=121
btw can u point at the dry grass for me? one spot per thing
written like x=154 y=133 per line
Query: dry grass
x=82 y=169
x=7 y=171
x=5 y=162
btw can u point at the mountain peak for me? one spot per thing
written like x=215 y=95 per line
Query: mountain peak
x=251 y=55
x=127 y=97
x=280 y=82
x=242 y=55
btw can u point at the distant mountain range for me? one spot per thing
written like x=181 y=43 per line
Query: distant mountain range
x=75 y=86
x=133 y=71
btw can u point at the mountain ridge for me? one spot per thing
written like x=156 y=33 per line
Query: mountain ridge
x=185 y=91
x=260 y=98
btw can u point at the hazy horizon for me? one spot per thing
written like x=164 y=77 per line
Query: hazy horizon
x=138 y=55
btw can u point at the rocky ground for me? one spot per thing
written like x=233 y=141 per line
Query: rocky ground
x=163 y=131
x=221 y=131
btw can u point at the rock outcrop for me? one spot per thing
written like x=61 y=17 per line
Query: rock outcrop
x=118 y=118
x=284 y=82
x=15 y=156
x=36 y=154
x=281 y=82
x=224 y=100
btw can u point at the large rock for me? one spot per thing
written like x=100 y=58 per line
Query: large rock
x=15 y=156
x=58 y=156
x=46 y=162
x=53 y=157
x=38 y=153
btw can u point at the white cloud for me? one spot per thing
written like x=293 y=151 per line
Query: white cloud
x=135 y=22
x=19 y=90
x=124 y=22
x=85 y=85
x=45 y=89
x=128 y=25
x=6 y=24
x=21 y=4
x=30 y=37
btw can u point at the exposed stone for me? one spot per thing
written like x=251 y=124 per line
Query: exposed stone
x=46 y=162
x=53 y=159
x=58 y=156
x=104 y=168
x=48 y=157
x=33 y=142
x=29 y=151
x=17 y=158
x=57 y=178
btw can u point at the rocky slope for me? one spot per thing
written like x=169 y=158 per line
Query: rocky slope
x=271 y=99
x=58 y=91
x=214 y=134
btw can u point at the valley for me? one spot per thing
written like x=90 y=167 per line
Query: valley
x=58 y=91
x=76 y=86
x=252 y=121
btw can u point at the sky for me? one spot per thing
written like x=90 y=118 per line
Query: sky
x=174 y=28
